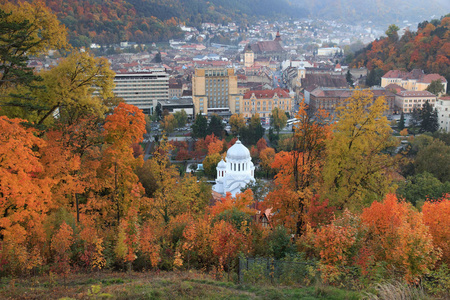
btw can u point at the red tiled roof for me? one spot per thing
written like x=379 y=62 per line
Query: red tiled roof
x=267 y=94
x=416 y=74
x=267 y=46
x=394 y=87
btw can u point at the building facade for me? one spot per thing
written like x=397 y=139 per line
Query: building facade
x=215 y=89
x=263 y=101
x=329 y=99
x=443 y=111
x=143 y=89
x=416 y=80
x=407 y=101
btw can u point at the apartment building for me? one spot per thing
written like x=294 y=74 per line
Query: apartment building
x=416 y=80
x=216 y=89
x=443 y=111
x=407 y=101
x=143 y=89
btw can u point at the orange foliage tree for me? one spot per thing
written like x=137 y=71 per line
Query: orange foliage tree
x=436 y=217
x=398 y=236
x=25 y=197
x=299 y=170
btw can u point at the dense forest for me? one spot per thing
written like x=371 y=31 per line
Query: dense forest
x=143 y=21
x=427 y=49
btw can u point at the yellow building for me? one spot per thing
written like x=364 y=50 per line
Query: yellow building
x=215 y=89
x=416 y=80
x=263 y=101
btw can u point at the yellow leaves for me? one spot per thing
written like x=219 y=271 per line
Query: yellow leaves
x=169 y=123
x=46 y=32
x=80 y=84
x=236 y=122
x=357 y=169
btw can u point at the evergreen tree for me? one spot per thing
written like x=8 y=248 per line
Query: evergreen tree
x=158 y=58
x=349 y=79
x=436 y=87
x=428 y=118
x=215 y=126
x=401 y=122
x=199 y=127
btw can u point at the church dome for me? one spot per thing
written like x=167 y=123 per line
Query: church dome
x=238 y=152
x=222 y=165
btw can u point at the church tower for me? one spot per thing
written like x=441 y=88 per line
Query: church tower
x=249 y=57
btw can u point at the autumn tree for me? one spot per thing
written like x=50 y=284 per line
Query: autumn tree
x=181 y=118
x=358 y=168
x=299 y=169
x=24 y=207
x=26 y=29
x=80 y=85
x=169 y=123
x=412 y=255
x=123 y=128
x=236 y=122
x=210 y=163
x=279 y=119
x=435 y=216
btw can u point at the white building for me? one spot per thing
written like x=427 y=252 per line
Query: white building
x=143 y=89
x=236 y=172
x=443 y=111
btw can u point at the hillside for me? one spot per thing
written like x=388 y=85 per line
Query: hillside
x=144 y=21
x=427 y=49
x=380 y=12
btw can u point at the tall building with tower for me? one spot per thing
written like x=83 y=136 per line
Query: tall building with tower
x=215 y=90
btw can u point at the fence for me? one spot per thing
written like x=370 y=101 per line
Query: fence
x=288 y=271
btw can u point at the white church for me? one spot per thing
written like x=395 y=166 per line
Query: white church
x=236 y=172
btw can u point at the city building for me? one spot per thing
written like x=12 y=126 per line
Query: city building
x=236 y=172
x=329 y=99
x=416 y=80
x=143 y=89
x=271 y=50
x=263 y=101
x=216 y=90
x=407 y=101
x=443 y=111
x=177 y=104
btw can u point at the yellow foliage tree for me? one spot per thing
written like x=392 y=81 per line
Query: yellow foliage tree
x=358 y=169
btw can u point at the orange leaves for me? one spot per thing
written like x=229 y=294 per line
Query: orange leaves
x=242 y=202
x=60 y=244
x=399 y=237
x=126 y=125
x=391 y=233
x=215 y=147
x=436 y=215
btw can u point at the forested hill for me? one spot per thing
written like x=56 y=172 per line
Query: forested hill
x=109 y=21
x=427 y=49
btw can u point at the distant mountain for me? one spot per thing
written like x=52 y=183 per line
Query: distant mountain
x=143 y=21
x=379 y=12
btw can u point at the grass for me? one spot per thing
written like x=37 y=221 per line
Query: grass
x=153 y=285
